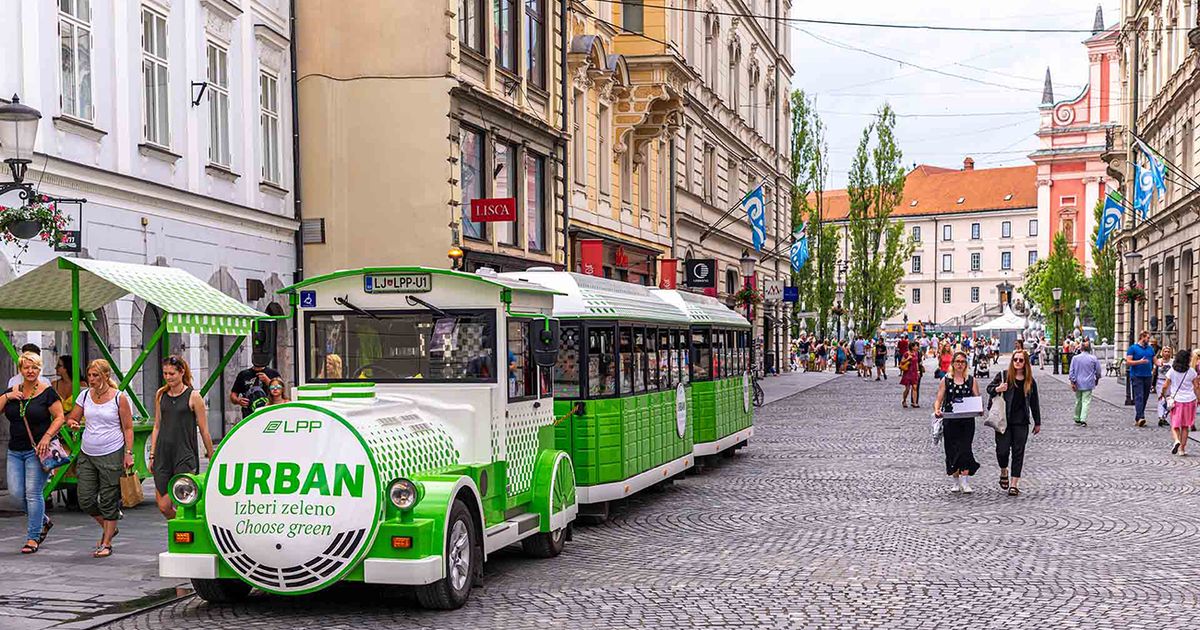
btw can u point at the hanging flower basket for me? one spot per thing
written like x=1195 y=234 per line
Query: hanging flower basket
x=40 y=219
x=1135 y=293
x=747 y=297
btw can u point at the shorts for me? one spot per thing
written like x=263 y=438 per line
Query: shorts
x=164 y=470
x=880 y=361
x=858 y=358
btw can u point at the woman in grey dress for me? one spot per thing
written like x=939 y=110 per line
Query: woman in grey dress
x=179 y=412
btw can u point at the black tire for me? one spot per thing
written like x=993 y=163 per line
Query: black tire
x=759 y=396
x=547 y=545
x=221 y=590
x=453 y=590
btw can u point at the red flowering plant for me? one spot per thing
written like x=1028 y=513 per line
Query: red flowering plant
x=40 y=219
x=1132 y=293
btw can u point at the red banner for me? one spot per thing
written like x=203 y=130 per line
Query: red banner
x=710 y=291
x=666 y=273
x=591 y=256
x=492 y=210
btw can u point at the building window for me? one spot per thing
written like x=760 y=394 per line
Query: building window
x=535 y=201
x=504 y=14
x=603 y=158
x=1033 y=227
x=710 y=174
x=1186 y=144
x=627 y=178
x=633 y=16
x=916 y=296
x=470 y=24
x=974 y=295
x=735 y=80
x=218 y=105
x=664 y=179
x=916 y=234
x=975 y=261
x=1005 y=260
x=752 y=107
x=504 y=184
x=1006 y=229
x=947 y=262
x=916 y=264
x=156 y=125
x=644 y=182
x=535 y=42
x=1033 y=256
x=945 y=295
x=471 y=179
x=75 y=58
x=975 y=231
x=579 y=137
x=268 y=117
x=731 y=281
x=733 y=180
x=1066 y=201
x=947 y=233
x=689 y=159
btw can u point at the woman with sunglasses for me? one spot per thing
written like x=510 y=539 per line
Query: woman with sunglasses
x=1021 y=404
x=957 y=433
x=179 y=412
x=277 y=391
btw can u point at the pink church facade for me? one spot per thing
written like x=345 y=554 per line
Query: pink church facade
x=1071 y=176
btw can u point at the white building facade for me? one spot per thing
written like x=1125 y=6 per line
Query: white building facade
x=173 y=119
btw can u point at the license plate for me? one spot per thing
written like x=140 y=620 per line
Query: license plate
x=398 y=283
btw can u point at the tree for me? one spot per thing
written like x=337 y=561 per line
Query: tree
x=877 y=246
x=809 y=170
x=1102 y=285
x=1058 y=270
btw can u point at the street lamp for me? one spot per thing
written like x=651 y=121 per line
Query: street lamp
x=1056 y=292
x=838 y=311
x=18 y=131
x=747 y=262
x=1133 y=262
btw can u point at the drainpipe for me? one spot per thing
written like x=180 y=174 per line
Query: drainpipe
x=673 y=199
x=562 y=143
x=297 y=209
x=934 y=297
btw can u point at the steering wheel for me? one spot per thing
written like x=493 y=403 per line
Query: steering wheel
x=376 y=371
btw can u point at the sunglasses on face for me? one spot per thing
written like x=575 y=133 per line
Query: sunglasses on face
x=960 y=361
x=276 y=388
x=1018 y=360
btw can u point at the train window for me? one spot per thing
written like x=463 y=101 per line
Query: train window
x=741 y=350
x=666 y=351
x=522 y=373
x=702 y=355
x=683 y=374
x=602 y=367
x=638 y=351
x=652 y=360
x=566 y=371
x=730 y=353
x=718 y=354
x=626 y=368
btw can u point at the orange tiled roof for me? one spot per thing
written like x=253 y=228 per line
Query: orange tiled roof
x=936 y=190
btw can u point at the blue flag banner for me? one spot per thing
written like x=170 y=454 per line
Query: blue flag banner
x=799 y=251
x=1143 y=192
x=1110 y=220
x=754 y=205
x=1158 y=172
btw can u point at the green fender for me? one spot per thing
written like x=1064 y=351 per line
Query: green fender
x=554 y=489
x=440 y=491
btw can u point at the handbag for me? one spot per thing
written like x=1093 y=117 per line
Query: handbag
x=57 y=455
x=1170 y=402
x=935 y=429
x=131 y=490
x=997 y=415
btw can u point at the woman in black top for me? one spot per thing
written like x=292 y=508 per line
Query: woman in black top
x=35 y=414
x=957 y=433
x=179 y=412
x=1021 y=403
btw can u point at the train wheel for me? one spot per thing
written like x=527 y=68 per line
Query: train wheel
x=462 y=558
x=546 y=545
x=221 y=590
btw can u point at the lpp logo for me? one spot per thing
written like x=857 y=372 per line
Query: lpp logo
x=294 y=426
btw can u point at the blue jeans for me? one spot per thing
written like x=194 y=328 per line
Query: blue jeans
x=1141 y=391
x=26 y=481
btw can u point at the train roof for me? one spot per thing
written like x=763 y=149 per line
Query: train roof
x=703 y=309
x=589 y=297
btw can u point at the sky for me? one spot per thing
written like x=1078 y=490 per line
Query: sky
x=994 y=122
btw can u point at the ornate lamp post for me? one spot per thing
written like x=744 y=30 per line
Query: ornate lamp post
x=1057 y=293
x=1133 y=262
x=747 y=262
x=18 y=131
x=838 y=311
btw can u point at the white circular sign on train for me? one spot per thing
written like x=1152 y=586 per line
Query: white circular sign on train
x=292 y=499
x=681 y=409
x=746 y=391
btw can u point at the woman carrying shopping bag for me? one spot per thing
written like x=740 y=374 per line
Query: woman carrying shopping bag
x=1180 y=386
x=1020 y=397
x=957 y=433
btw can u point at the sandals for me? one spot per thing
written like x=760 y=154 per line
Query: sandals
x=28 y=548
x=904 y=404
x=46 y=527
x=1004 y=482
x=1014 y=492
x=100 y=543
x=103 y=551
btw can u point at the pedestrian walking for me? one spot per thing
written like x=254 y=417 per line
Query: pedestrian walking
x=1084 y=375
x=1140 y=359
x=840 y=356
x=179 y=412
x=881 y=353
x=860 y=354
x=1181 y=386
x=250 y=385
x=1021 y=405
x=945 y=357
x=957 y=433
x=106 y=451
x=910 y=378
x=35 y=416
x=17 y=378
x=1162 y=367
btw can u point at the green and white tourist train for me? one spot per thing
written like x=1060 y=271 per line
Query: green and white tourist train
x=444 y=415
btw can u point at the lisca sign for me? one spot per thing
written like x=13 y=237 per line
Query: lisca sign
x=494 y=210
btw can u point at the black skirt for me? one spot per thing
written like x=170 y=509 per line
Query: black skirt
x=957 y=436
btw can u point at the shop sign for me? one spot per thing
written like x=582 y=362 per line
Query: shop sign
x=287 y=486
x=667 y=273
x=494 y=210
x=772 y=290
x=591 y=258
x=791 y=294
x=398 y=283
x=620 y=258
x=700 y=273
x=72 y=232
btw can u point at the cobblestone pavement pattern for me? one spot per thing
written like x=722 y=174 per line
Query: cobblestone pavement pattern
x=838 y=516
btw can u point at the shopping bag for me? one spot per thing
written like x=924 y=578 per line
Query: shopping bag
x=935 y=429
x=997 y=415
x=131 y=490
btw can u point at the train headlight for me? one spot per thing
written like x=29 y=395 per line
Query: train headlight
x=184 y=491
x=404 y=494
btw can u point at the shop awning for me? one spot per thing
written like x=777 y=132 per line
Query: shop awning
x=41 y=299
x=1006 y=321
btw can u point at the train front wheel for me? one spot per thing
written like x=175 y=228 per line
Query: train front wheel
x=462 y=557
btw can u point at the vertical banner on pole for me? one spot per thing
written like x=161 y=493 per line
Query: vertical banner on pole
x=591 y=256
x=667 y=273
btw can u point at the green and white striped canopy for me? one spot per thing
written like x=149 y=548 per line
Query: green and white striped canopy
x=41 y=299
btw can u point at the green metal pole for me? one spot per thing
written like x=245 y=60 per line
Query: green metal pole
x=137 y=363
x=75 y=336
x=116 y=370
x=12 y=351
x=216 y=374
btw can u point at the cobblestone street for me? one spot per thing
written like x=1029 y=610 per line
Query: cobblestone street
x=838 y=516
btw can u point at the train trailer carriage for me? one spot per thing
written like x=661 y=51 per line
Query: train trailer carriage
x=421 y=441
x=721 y=390
x=621 y=385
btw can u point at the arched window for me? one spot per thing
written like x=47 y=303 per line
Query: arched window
x=735 y=78
x=152 y=368
x=711 y=50
x=731 y=281
x=752 y=114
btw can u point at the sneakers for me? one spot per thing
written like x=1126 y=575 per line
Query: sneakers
x=1162 y=422
x=957 y=487
x=1140 y=422
x=966 y=487
x=1175 y=449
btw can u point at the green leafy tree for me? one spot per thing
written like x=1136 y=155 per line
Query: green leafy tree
x=1058 y=270
x=877 y=245
x=809 y=171
x=1102 y=284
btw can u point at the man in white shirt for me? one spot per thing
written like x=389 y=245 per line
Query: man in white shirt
x=16 y=379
